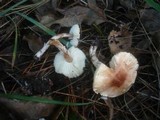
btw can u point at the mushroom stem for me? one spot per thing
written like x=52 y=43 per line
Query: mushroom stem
x=110 y=106
x=62 y=35
x=94 y=59
x=74 y=42
x=42 y=50
x=56 y=37
x=47 y=45
x=62 y=48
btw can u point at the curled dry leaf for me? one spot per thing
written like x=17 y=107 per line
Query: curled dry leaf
x=35 y=43
x=28 y=110
x=120 y=40
x=77 y=15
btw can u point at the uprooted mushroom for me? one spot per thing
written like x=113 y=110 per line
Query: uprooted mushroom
x=118 y=78
x=115 y=80
x=73 y=35
x=69 y=62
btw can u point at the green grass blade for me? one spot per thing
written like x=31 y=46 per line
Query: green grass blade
x=10 y=8
x=15 y=42
x=15 y=47
x=41 y=26
x=38 y=24
x=153 y=4
x=98 y=29
x=40 y=100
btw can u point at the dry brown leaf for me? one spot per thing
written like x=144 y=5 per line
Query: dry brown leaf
x=120 y=40
x=45 y=12
x=44 y=8
x=77 y=15
x=28 y=110
x=93 y=6
x=48 y=18
x=35 y=43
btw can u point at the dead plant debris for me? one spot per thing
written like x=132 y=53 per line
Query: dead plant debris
x=111 y=25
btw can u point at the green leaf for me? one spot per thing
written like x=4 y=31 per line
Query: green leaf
x=10 y=8
x=153 y=4
x=40 y=100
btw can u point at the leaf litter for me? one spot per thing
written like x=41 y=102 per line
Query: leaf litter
x=140 y=36
x=78 y=15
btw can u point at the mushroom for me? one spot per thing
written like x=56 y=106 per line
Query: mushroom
x=69 y=62
x=74 y=35
x=117 y=79
x=47 y=45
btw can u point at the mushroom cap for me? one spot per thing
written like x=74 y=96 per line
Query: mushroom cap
x=70 y=69
x=116 y=80
x=75 y=31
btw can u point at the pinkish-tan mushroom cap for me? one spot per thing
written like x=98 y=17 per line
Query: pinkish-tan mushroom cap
x=116 y=80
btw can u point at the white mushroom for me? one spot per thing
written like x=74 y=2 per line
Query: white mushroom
x=75 y=35
x=47 y=45
x=118 y=78
x=69 y=62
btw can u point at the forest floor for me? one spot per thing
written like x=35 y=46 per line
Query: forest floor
x=30 y=89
